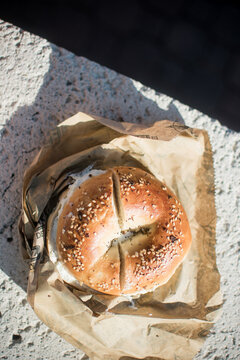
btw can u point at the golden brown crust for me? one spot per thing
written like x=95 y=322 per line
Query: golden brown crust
x=104 y=275
x=149 y=204
x=122 y=200
x=85 y=228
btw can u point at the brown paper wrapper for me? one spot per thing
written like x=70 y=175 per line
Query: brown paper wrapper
x=172 y=321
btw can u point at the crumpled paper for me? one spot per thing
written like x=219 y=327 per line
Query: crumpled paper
x=170 y=322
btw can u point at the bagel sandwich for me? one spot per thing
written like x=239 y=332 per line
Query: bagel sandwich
x=118 y=231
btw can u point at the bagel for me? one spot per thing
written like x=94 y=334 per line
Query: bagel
x=118 y=231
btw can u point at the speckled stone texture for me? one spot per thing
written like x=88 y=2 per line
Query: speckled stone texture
x=41 y=85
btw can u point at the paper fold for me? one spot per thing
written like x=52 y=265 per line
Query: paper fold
x=168 y=323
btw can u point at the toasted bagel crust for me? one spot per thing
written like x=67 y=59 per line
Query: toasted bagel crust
x=122 y=232
x=151 y=260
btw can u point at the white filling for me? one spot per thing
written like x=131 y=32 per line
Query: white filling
x=66 y=275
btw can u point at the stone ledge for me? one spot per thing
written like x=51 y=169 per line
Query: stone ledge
x=41 y=85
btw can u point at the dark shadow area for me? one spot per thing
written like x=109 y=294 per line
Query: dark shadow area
x=187 y=49
x=66 y=89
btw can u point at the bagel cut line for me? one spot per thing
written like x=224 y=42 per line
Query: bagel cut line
x=136 y=232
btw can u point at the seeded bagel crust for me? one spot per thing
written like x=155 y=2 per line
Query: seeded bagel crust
x=119 y=232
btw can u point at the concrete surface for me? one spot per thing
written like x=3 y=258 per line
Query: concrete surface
x=187 y=49
x=41 y=85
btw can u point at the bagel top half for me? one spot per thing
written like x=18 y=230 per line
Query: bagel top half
x=118 y=231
